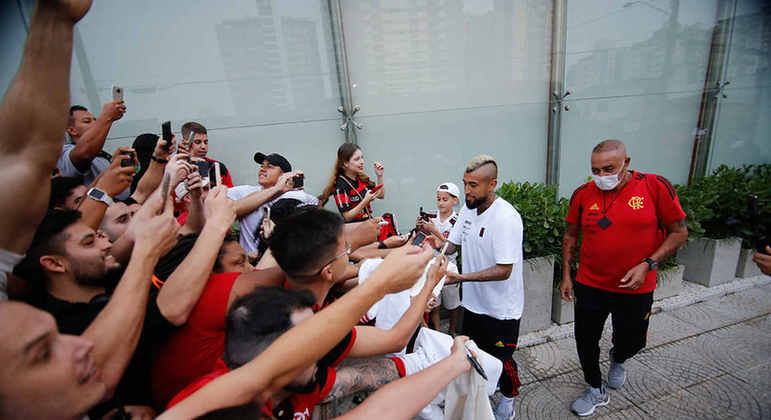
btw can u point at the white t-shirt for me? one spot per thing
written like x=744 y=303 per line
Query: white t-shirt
x=445 y=228
x=98 y=165
x=250 y=223
x=494 y=237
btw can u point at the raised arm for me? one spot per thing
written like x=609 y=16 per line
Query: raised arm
x=403 y=399
x=116 y=330
x=114 y=180
x=304 y=344
x=92 y=141
x=256 y=199
x=180 y=293
x=372 y=341
x=154 y=173
x=33 y=116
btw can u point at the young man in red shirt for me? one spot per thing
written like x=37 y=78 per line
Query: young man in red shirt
x=630 y=222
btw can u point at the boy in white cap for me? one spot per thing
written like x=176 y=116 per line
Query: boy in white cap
x=440 y=225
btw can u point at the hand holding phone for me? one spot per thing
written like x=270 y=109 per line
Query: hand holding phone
x=117 y=93
x=420 y=237
x=166 y=134
x=129 y=161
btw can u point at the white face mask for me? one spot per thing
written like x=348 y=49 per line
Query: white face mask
x=608 y=182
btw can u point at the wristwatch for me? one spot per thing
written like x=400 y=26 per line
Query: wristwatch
x=99 y=195
x=652 y=265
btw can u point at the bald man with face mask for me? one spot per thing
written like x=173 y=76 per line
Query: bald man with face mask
x=620 y=213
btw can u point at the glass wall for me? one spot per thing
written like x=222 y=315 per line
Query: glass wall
x=437 y=82
x=636 y=72
x=742 y=132
x=260 y=75
x=440 y=81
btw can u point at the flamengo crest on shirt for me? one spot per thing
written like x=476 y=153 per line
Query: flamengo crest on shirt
x=636 y=202
x=594 y=207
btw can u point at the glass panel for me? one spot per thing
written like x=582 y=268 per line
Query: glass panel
x=440 y=81
x=743 y=128
x=260 y=75
x=636 y=72
x=12 y=38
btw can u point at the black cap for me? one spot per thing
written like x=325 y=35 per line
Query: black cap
x=273 y=159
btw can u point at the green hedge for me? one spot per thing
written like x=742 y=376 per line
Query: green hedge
x=717 y=205
x=543 y=216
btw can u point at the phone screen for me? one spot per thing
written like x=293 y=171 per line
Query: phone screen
x=166 y=133
x=419 y=238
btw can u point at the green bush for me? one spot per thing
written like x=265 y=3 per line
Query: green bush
x=717 y=205
x=543 y=216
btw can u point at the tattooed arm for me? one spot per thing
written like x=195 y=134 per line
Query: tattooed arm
x=363 y=375
x=569 y=250
x=677 y=234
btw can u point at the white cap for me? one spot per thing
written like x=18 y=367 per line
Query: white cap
x=449 y=188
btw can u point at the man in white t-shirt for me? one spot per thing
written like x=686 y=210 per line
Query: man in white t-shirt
x=489 y=230
x=275 y=182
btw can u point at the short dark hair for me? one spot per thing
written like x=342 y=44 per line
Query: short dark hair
x=192 y=126
x=61 y=188
x=48 y=240
x=229 y=238
x=71 y=120
x=305 y=239
x=257 y=319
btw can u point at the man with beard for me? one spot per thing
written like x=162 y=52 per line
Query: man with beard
x=489 y=230
x=75 y=279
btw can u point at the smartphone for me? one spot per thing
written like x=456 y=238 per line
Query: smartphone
x=759 y=238
x=268 y=210
x=376 y=188
x=166 y=133
x=419 y=239
x=117 y=93
x=129 y=161
x=298 y=181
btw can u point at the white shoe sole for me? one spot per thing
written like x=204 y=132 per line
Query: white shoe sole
x=590 y=412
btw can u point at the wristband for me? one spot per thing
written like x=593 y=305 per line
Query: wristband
x=159 y=160
x=382 y=245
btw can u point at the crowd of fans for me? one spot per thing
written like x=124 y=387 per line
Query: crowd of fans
x=129 y=292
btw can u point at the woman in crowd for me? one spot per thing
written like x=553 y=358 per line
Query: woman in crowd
x=352 y=188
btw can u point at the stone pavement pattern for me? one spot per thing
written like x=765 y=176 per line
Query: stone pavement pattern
x=708 y=357
x=708 y=360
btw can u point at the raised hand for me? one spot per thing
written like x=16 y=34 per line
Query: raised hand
x=160 y=151
x=114 y=110
x=116 y=178
x=379 y=169
x=218 y=208
x=154 y=226
x=72 y=9
x=403 y=266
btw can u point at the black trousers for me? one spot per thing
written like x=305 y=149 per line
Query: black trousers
x=630 y=318
x=499 y=338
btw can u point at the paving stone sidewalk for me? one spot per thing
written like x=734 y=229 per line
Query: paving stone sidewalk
x=705 y=359
x=708 y=357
